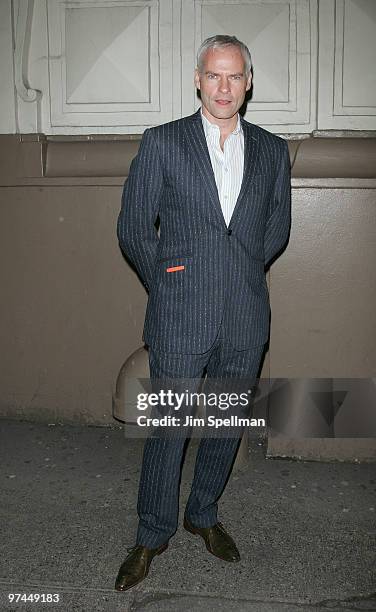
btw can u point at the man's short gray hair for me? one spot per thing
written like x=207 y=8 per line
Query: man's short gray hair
x=223 y=40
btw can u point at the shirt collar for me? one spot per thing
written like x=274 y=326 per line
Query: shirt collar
x=212 y=126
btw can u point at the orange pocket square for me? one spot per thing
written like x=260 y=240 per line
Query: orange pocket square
x=175 y=269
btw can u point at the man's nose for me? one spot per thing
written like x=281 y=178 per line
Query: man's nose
x=224 y=84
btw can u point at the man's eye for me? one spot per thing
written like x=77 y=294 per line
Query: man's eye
x=211 y=76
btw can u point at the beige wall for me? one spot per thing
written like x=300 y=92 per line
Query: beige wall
x=323 y=287
x=73 y=310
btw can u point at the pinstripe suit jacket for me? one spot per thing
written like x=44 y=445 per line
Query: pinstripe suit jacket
x=172 y=177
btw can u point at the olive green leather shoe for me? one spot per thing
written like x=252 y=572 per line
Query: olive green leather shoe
x=217 y=541
x=136 y=566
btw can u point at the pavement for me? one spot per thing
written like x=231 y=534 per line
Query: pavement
x=305 y=530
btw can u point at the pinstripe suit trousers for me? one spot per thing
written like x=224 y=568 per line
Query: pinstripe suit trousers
x=158 y=496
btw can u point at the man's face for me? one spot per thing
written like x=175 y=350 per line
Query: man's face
x=222 y=82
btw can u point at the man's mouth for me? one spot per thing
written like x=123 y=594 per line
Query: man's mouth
x=223 y=102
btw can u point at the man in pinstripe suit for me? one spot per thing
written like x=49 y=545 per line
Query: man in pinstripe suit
x=221 y=189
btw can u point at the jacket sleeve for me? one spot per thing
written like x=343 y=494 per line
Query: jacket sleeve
x=279 y=215
x=138 y=237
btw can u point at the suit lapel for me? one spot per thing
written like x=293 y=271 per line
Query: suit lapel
x=196 y=140
x=251 y=145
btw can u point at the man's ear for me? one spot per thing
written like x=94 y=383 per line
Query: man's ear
x=249 y=82
x=197 y=79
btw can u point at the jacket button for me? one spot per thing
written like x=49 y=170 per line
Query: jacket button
x=229 y=232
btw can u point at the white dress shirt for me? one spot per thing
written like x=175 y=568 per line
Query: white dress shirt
x=228 y=165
